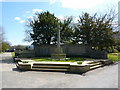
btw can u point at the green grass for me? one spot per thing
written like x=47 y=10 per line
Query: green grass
x=52 y=60
x=114 y=56
x=1 y=52
x=79 y=62
x=13 y=54
x=25 y=61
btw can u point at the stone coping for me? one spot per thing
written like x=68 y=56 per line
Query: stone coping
x=84 y=63
x=56 y=62
x=79 y=65
x=21 y=63
x=28 y=60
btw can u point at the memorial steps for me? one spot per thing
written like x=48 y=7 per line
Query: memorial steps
x=51 y=66
x=62 y=66
x=94 y=64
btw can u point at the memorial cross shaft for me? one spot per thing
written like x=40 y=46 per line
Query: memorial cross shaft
x=58 y=37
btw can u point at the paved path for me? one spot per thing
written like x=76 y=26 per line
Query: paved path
x=105 y=77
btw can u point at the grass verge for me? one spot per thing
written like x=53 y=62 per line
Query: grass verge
x=1 y=52
x=114 y=56
x=13 y=54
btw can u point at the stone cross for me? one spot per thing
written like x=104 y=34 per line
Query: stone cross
x=58 y=53
x=58 y=37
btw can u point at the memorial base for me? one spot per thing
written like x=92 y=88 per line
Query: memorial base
x=58 y=56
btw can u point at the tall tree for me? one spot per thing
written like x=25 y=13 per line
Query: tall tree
x=43 y=28
x=66 y=30
x=1 y=38
x=1 y=35
x=103 y=38
x=84 y=29
x=117 y=43
x=5 y=46
x=95 y=31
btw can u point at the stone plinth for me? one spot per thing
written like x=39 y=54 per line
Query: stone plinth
x=58 y=56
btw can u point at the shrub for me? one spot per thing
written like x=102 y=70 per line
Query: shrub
x=80 y=62
x=25 y=61
x=115 y=51
x=13 y=54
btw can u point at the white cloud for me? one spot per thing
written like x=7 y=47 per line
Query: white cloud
x=17 y=18
x=75 y=20
x=61 y=17
x=79 y=4
x=30 y=17
x=22 y=21
x=52 y=1
x=27 y=11
x=82 y=4
x=37 y=10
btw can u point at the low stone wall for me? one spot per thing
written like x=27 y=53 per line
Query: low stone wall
x=97 y=54
x=24 y=66
x=79 y=68
x=25 y=54
x=71 y=50
x=107 y=62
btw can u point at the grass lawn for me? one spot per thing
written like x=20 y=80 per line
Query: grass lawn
x=13 y=54
x=47 y=59
x=114 y=56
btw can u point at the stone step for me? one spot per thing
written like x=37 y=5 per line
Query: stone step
x=17 y=65
x=94 y=64
x=51 y=64
x=48 y=66
x=48 y=69
x=94 y=67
